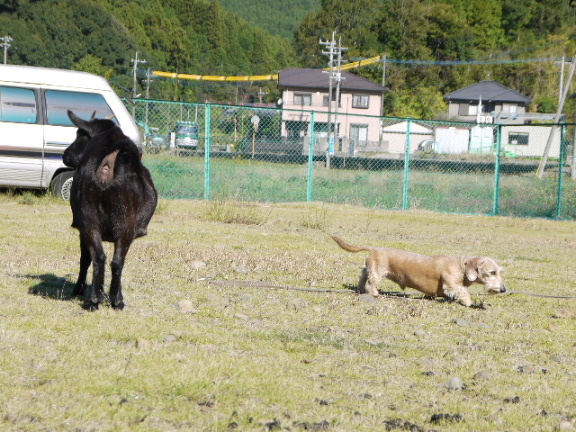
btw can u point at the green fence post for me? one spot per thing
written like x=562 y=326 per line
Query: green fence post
x=561 y=172
x=312 y=136
x=496 y=203
x=405 y=189
x=207 y=148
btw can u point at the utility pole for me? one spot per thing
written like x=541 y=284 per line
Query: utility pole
x=136 y=61
x=261 y=94
x=6 y=44
x=383 y=82
x=544 y=160
x=333 y=50
x=561 y=79
x=338 y=82
x=330 y=44
x=148 y=82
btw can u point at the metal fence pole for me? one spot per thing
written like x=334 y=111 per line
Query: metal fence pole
x=405 y=189
x=496 y=202
x=312 y=138
x=561 y=171
x=207 y=149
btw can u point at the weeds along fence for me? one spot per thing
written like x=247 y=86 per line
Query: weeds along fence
x=222 y=152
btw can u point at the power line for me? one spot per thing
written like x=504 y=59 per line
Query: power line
x=471 y=62
x=356 y=64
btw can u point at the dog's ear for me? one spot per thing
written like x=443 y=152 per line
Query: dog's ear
x=471 y=268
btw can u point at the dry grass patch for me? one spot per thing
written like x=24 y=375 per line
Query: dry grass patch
x=250 y=357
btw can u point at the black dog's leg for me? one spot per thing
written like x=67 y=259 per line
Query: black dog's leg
x=85 y=261
x=120 y=250
x=94 y=296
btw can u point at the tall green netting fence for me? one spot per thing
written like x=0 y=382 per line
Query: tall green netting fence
x=263 y=154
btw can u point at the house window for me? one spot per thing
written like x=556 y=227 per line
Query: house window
x=518 y=138
x=302 y=99
x=360 y=101
x=359 y=134
x=476 y=109
x=325 y=99
x=473 y=109
x=510 y=109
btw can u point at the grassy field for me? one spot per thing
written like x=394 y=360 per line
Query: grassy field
x=212 y=340
x=439 y=191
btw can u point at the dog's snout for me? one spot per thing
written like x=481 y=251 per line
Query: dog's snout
x=503 y=289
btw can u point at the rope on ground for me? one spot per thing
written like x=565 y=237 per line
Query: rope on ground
x=261 y=284
x=540 y=295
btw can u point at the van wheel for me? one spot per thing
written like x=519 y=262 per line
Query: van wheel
x=61 y=184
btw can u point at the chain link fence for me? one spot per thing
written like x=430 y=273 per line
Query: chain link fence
x=264 y=154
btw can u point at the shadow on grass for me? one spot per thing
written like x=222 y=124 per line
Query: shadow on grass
x=400 y=294
x=414 y=296
x=51 y=286
x=394 y=294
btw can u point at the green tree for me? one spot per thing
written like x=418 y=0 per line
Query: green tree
x=448 y=36
x=94 y=65
x=516 y=16
x=352 y=21
x=403 y=26
x=9 y=5
x=484 y=18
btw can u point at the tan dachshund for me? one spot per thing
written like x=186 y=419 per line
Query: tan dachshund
x=439 y=276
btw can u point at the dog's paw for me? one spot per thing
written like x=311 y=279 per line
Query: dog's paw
x=119 y=305
x=90 y=306
x=461 y=298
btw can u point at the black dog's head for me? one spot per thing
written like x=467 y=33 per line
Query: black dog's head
x=86 y=131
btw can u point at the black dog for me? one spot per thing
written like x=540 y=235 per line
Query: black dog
x=113 y=199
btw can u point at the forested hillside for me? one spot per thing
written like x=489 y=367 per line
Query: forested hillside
x=432 y=47
x=279 y=17
x=482 y=39
x=184 y=36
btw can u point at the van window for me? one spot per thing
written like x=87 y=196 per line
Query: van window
x=187 y=129
x=82 y=104
x=18 y=105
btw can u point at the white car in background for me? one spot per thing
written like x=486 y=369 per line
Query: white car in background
x=35 y=128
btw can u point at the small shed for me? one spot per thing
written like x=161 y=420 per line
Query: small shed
x=394 y=136
x=530 y=141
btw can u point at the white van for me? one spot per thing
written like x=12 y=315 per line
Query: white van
x=35 y=128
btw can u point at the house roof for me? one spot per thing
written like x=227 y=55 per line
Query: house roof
x=488 y=91
x=320 y=79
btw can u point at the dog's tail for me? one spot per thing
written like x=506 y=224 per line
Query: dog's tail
x=348 y=247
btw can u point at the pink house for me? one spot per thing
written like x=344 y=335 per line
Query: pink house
x=355 y=119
